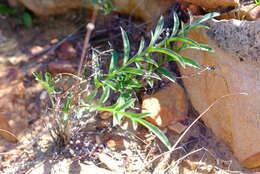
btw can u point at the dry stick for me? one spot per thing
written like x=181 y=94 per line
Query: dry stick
x=90 y=27
x=197 y=119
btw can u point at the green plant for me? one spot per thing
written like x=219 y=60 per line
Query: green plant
x=135 y=72
x=23 y=17
x=105 y=6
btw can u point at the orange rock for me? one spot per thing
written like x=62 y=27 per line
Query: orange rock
x=212 y=4
x=236 y=60
x=166 y=106
x=61 y=66
x=6 y=131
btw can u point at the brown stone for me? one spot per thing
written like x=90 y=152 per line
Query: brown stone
x=105 y=115
x=212 y=4
x=166 y=106
x=249 y=13
x=67 y=51
x=237 y=67
x=61 y=66
x=6 y=131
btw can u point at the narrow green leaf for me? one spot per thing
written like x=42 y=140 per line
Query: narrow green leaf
x=105 y=95
x=135 y=115
x=126 y=46
x=91 y=97
x=152 y=75
x=206 y=17
x=134 y=59
x=158 y=31
x=111 y=84
x=117 y=117
x=135 y=124
x=190 y=62
x=150 y=82
x=66 y=110
x=126 y=105
x=202 y=47
x=176 y=25
x=27 y=19
x=132 y=83
x=185 y=40
x=166 y=74
x=199 y=27
x=172 y=54
x=114 y=61
x=97 y=82
x=191 y=17
x=139 y=59
x=151 y=61
x=141 y=47
x=100 y=108
x=156 y=131
x=133 y=71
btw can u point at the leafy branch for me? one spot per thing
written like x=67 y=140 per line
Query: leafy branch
x=137 y=71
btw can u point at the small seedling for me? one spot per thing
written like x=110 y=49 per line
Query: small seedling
x=134 y=73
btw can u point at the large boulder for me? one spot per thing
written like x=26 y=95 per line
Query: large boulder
x=146 y=9
x=236 y=119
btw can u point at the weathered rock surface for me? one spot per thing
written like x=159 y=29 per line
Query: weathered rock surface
x=236 y=60
x=11 y=108
x=213 y=4
x=167 y=106
x=147 y=9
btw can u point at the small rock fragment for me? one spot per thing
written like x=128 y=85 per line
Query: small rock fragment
x=166 y=106
x=105 y=115
x=67 y=51
x=36 y=50
x=61 y=66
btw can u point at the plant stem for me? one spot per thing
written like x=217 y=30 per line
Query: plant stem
x=90 y=27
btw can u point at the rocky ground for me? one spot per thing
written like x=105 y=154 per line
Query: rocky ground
x=55 y=45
